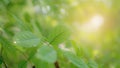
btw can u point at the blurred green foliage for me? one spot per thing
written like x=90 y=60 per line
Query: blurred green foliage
x=47 y=34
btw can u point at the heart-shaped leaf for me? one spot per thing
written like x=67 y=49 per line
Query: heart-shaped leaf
x=47 y=53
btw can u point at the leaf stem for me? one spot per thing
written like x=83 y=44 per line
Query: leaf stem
x=56 y=64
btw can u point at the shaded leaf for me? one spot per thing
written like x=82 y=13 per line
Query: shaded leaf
x=22 y=64
x=92 y=64
x=75 y=60
x=1 y=60
x=22 y=25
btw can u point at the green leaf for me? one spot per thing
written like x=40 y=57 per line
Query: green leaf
x=26 y=39
x=31 y=52
x=47 y=53
x=58 y=35
x=22 y=64
x=41 y=64
x=1 y=60
x=75 y=60
x=21 y=24
x=92 y=64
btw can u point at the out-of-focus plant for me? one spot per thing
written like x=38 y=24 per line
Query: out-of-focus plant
x=48 y=34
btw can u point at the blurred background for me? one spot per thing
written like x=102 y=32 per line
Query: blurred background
x=94 y=25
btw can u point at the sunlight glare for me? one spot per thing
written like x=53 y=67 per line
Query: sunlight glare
x=14 y=42
x=93 y=24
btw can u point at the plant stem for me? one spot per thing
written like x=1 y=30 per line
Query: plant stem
x=56 y=64
x=33 y=66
